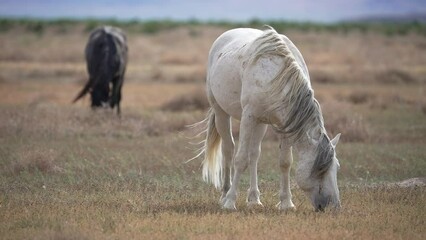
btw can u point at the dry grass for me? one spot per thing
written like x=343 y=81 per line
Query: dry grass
x=35 y=159
x=322 y=77
x=360 y=97
x=196 y=100
x=370 y=57
x=67 y=172
x=393 y=76
x=339 y=117
x=200 y=219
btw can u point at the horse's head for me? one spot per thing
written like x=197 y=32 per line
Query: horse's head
x=316 y=172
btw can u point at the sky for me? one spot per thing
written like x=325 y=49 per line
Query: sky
x=235 y=10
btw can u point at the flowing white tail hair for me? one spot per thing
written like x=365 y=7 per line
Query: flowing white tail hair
x=212 y=150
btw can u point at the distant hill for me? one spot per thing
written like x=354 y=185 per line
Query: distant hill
x=390 y=18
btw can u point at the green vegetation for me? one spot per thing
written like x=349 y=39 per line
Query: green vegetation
x=154 y=26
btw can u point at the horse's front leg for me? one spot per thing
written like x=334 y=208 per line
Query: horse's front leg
x=248 y=152
x=285 y=161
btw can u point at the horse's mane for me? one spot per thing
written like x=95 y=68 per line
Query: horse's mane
x=290 y=89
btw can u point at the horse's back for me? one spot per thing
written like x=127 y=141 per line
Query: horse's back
x=224 y=68
x=101 y=33
x=106 y=44
x=230 y=81
x=231 y=40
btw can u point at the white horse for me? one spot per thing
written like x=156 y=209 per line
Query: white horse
x=260 y=78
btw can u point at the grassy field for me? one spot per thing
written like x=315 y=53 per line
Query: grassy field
x=67 y=172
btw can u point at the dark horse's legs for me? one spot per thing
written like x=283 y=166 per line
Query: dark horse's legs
x=117 y=83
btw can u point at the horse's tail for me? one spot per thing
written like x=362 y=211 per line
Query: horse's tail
x=212 y=150
x=212 y=163
x=83 y=91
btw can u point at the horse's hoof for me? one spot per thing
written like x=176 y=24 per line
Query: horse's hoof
x=286 y=207
x=222 y=200
x=255 y=205
x=229 y=205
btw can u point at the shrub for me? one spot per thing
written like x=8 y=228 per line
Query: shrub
x=152 y=27
x=90 y=25
x=5 y=25
x=36 y=27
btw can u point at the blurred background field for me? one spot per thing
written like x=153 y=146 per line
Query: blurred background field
x=69 y=172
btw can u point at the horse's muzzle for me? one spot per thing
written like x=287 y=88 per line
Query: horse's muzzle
x=321 y=202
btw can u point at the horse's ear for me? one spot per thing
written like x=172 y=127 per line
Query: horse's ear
x=335 y=140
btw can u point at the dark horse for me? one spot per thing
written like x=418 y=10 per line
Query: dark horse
x=106 y=57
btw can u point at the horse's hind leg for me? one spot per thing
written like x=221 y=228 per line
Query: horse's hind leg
x=223 y=126
x=253 y=196
x=117 y=83
x=251 y=135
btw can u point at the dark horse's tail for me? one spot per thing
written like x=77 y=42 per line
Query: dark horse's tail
x=84 y=91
